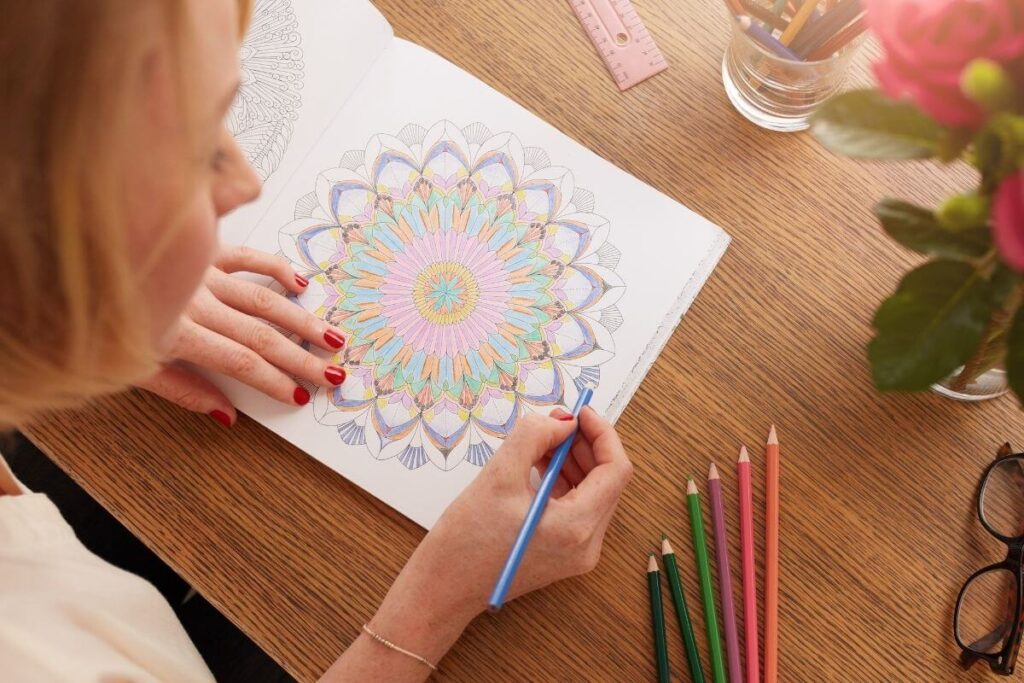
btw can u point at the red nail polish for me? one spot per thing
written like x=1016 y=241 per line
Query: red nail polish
x=221 y=417
x=333 y=339
x=301 y=396
x=564 y=418
x=301 y=281
x=334 y=374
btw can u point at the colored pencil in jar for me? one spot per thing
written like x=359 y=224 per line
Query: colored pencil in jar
x=766 y=39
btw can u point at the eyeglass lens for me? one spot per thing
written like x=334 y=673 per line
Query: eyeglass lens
x=986 y=612
x=1002 y=498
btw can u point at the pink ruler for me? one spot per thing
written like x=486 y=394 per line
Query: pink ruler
x=621 y=39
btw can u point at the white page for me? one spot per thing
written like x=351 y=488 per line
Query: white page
x=300 y=61
x=435 y=294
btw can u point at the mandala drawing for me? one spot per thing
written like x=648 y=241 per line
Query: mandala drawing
x=473 y=284
x=263 y=114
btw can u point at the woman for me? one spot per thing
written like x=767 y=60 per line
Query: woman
x=114 y=167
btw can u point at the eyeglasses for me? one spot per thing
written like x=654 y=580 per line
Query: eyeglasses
x=988 y=623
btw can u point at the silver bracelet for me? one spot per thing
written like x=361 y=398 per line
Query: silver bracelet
x=388 y=644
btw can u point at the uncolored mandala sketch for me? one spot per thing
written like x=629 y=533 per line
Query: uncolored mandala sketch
x=473 y=283
x=263 y=114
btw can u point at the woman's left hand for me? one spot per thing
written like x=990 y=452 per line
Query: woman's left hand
x=225 y=328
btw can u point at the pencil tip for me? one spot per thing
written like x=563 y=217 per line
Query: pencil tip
x=652 y=564
x=712 y=472
x=744 y=456
x=664 y=536
x=773 y=438
x=691 y=487
x=666 y=547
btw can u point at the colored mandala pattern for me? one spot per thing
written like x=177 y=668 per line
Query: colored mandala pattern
x=472 y=281
x=263 y=114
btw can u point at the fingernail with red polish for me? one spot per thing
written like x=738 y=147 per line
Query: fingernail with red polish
x=334 y=374
x=561 y=415
x=333 y=339
x=301 y=281
x=565 y=418
x=301 y=396
x=221 y=417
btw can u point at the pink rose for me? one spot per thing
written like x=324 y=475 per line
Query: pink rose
x=929 y=42
x=1008 y=216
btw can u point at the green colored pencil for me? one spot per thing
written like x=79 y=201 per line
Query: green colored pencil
x=668 y=558
x=658 y=619
x=700 y=549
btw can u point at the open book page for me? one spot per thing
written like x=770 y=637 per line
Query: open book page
x=300 y=61
x=481 y=265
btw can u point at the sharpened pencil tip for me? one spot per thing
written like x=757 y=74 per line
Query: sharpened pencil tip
x=712 y=472
x=744 y=456
x=666 y=547
x=664 y=536
x=773 y=438
x=691 y=487
x=652 y=564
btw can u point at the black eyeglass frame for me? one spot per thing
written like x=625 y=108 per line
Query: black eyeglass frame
x=1001 y=662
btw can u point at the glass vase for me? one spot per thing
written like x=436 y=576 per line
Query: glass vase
x=962 y=387
x=983 y=376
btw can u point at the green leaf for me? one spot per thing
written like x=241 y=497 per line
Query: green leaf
x=930 y=326
x=867 y=125
x=1003 y=281
x=1015 y=355
x=919 y=229
x=954 y=142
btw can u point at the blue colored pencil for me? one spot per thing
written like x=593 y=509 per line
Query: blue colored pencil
x=540 y=501
x=767 y=40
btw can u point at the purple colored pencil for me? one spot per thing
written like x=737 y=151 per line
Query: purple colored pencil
x=766 y=40
x=732 y=641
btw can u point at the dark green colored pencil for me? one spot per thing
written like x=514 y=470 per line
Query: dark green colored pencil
x=668 y=558
x=707 y=593
x=658 y=620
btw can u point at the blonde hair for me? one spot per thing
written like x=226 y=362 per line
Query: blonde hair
x=71 y=321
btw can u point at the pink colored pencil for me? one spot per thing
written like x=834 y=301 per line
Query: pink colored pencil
x=749 y=575
x=771 y=559
x=732 y=641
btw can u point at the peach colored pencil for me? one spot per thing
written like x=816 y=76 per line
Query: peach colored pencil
x=771 y=559
x=749 y=578
x=840 y=40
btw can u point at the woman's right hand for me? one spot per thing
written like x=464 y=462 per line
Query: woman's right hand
x=448 y=579
x=481 y=524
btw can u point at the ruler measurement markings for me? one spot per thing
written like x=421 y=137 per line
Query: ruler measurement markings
x=621 y=39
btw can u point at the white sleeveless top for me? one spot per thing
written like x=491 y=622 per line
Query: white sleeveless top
x=67 y=615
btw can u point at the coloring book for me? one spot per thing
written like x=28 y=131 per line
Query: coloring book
x=481 y=264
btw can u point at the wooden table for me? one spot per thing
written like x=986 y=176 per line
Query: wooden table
x=878 y=522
